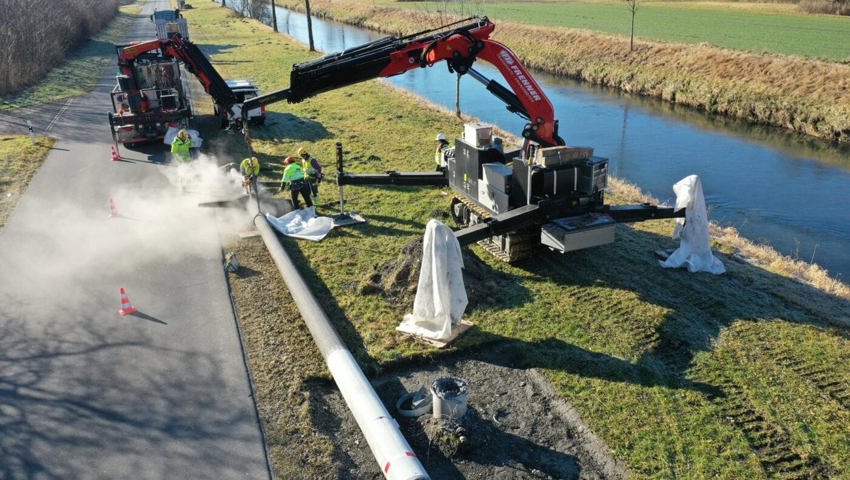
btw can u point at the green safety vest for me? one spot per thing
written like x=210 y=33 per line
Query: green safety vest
x=307 y=164
x=249 y=167
x=438 y=155
x=292 y=173
x=181 y=146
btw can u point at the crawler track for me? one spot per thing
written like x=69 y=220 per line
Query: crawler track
x=512 y=247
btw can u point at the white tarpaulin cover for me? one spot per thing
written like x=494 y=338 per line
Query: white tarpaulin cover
x=303 y=224
x=694 y=242
x=440 y=296
x=172 y=132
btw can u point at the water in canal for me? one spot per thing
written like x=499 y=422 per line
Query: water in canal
x=774 y=187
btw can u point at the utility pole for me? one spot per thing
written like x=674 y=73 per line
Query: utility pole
x=274 y=17
x=309 y=26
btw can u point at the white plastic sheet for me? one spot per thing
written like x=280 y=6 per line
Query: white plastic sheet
x=694 y=250
x=172 y=132
x=303 y=224
x=440 y=295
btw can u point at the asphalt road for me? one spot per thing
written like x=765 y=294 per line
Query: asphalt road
x=85 y=392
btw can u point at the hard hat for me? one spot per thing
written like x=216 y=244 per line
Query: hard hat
x=302 y=152
x=288 y=160
x=441 y=138
x=254 y=159
x=182 y=133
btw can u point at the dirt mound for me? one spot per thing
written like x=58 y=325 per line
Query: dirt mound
x=397 y=280
x=515 y=427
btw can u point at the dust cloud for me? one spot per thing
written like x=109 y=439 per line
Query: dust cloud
x=64 y=248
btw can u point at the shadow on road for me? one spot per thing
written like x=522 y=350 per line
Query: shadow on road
x=68 y=391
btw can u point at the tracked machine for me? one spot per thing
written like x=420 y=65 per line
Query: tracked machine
x=542 y=193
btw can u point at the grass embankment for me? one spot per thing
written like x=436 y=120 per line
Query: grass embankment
x=80 y=71
x=20 y=158
x=753 y=27
x=743 y=375
x=800 y=94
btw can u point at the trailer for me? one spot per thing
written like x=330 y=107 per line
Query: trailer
x=169 y=23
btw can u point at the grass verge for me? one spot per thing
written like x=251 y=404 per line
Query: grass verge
x=743 y=375
x=20 y=158
x=80 y=71
x=800 y=94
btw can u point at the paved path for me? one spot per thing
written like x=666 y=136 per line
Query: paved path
x=85 y=392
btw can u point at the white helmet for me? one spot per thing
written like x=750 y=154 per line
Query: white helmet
x=441 y=138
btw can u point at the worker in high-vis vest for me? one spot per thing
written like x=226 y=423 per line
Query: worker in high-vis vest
x=313 y=170
x=250 y=168
x=180 y=146
x=442 y=152
x=296 y=182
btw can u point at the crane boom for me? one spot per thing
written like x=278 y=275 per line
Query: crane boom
x=458 y=44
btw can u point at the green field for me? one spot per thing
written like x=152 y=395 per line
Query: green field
x=732 y=27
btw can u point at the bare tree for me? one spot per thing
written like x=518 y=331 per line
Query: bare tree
x=33 y=42
x=632 y=6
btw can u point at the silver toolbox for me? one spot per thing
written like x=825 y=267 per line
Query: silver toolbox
x=575 y=233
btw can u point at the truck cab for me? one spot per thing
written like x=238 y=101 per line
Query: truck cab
x=243 y=90
x=169 y=23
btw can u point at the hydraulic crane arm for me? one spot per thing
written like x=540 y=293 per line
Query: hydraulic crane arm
x=458 y=45
x=191 y=56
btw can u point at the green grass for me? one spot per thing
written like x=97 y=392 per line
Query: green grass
x=20 y=158
x=682 y=375
x=80 y=71
x=822 y=36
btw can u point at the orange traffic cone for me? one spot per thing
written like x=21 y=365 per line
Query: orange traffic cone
x=126 y=307
x=115 y=156
x=113 y=212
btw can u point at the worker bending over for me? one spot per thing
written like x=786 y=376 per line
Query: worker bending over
x=294 y=180
x=443 y=153
x=250 y=169
x=313 y=170
x=180 y=146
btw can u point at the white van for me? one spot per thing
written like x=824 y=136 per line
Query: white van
x=243 y=90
